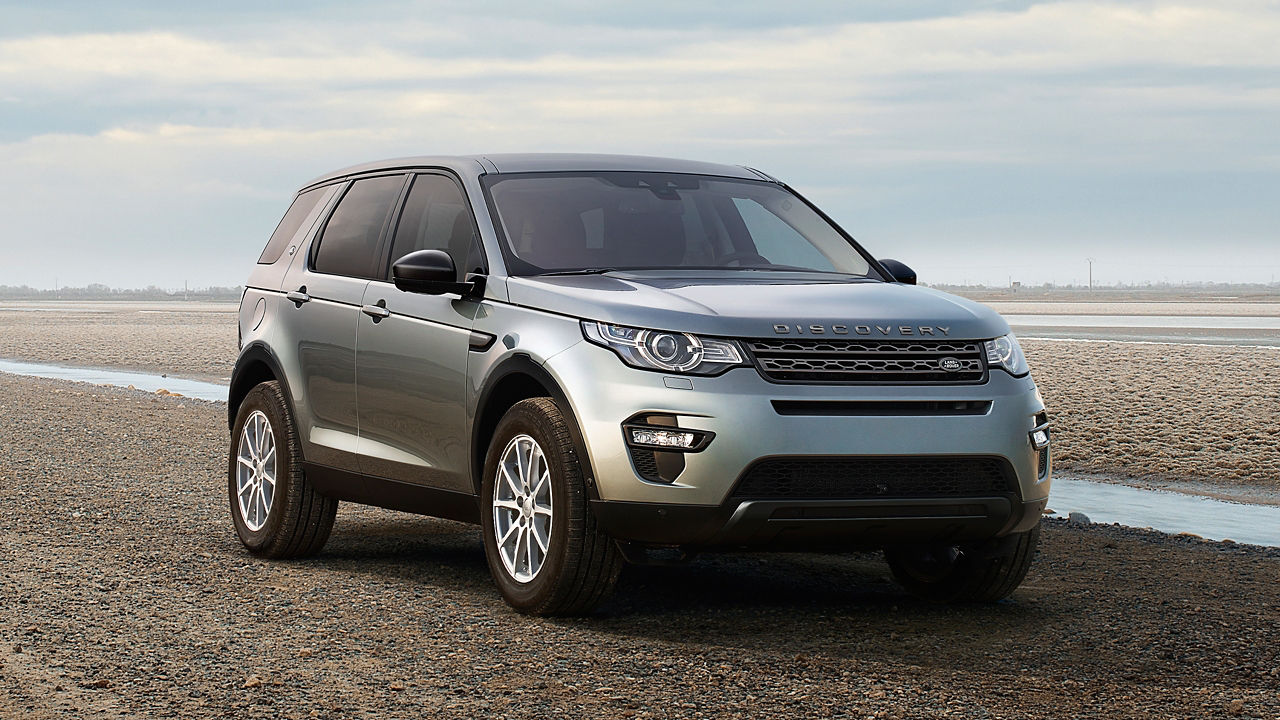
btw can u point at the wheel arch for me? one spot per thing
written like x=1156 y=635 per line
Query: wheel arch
x=257 y=364
x=518 y=378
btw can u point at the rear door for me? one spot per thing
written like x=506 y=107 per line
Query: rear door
x=326 y=293
x=411 y=365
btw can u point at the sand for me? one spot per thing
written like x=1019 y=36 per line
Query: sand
x=1162 y=412
x=196 y=340
x=1136 y=308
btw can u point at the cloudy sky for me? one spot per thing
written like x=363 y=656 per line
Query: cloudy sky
x=148 y=143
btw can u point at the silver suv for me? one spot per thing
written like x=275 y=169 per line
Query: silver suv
x=604 y=359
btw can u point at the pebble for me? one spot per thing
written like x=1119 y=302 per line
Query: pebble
x=1077 y=519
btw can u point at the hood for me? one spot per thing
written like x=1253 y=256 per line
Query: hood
x=759 y=304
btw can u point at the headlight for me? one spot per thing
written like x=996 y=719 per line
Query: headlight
x=664 y=351
x=1005 y=353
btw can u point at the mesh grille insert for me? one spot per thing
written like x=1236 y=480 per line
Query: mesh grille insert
x=829 y=360
x=863 y=478
x=646 y=463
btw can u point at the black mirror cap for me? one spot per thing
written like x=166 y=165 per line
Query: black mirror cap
x=430 y=272
x=900 y=272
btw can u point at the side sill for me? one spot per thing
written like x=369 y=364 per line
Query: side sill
x=393 y=494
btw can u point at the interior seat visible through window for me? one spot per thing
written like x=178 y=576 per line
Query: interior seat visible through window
x=436 y=217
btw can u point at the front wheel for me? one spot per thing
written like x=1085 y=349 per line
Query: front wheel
x=972 y=572
x=545 y=552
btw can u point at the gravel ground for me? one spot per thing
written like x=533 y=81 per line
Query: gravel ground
x=126 y=594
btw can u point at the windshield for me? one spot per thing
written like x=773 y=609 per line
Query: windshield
x=601 y=221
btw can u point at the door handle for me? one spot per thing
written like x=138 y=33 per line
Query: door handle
x=299 y=296
x=377 y=312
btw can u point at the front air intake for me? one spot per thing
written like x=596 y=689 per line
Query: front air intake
x=806 y=478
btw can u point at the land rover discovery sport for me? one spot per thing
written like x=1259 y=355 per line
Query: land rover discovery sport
x=602 y=359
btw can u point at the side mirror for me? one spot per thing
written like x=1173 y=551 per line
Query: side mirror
x=900 y=272
x=431 y=272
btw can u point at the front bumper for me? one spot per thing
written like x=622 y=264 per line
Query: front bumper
x=814 y=524
x=739 y=408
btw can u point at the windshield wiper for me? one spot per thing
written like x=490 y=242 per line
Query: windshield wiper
x=582 y=271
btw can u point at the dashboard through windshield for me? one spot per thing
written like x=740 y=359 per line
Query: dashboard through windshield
x=602 y=221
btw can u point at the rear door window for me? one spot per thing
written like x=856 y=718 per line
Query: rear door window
x=289 y=225
x=348 y=245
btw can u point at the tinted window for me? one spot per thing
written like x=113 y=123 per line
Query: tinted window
x=436 y=217
x=288 y=227
x=641 y=220
x=349 y=241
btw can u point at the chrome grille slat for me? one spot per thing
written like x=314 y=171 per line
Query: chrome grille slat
x=878 y=361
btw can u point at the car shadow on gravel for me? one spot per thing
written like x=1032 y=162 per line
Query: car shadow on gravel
x=839 y=605
x=407 y=548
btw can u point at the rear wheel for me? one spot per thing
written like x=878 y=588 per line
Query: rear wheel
x=545 y=552
x=971 y=572
x=275 y=510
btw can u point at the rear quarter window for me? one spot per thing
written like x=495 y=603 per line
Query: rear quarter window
x=289 y=225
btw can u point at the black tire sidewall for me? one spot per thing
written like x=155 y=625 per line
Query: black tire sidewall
x=972 y=577
x=567 y=498
x=262 y=398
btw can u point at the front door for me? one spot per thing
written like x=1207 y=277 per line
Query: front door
x=411 y=364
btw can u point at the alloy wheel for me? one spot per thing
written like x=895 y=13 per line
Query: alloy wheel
x=522 y=508
x=256 y=470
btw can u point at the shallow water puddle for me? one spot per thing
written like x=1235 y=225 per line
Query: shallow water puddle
x=1166 y=511
x=1102 y=502
x=120 y=378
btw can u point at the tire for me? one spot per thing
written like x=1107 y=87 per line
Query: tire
x=285 y=520
x=580 y=564
x=975 y=572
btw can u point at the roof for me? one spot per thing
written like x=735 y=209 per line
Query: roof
x=546 y=162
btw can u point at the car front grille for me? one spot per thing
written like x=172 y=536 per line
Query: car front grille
x=791 y=478
x=869 y=361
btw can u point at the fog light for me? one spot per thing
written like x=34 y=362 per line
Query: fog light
x=1039 y=439
x=653 y=437
x=660 y=433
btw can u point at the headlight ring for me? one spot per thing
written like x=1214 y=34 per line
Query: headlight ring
x=665 y=351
